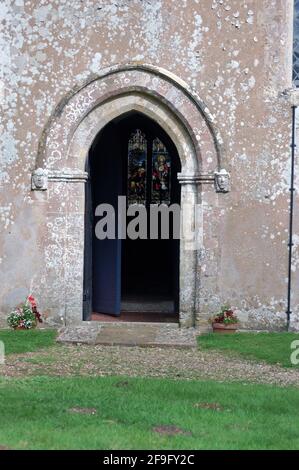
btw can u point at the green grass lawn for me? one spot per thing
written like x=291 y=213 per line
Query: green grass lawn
x=122 y=413
x=36 y=414
x=274 y=348
x=22 y=341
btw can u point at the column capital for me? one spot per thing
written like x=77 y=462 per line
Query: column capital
x=41 y=176
x=195 y=178
x=68 y=175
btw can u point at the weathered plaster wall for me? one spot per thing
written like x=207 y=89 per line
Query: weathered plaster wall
x=235 y=54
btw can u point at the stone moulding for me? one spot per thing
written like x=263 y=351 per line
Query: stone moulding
x=81 y=177
x=78 y=177
x=68 y=176
x=196 y=178
x=117 y=74
x=41 y=176
x=64 y=149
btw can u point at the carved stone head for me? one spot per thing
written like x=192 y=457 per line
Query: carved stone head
x=39 y=180
x=222 y=181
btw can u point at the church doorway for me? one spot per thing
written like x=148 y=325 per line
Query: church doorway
x=131 y=279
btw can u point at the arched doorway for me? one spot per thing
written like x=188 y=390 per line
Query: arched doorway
x=63 y=151
x=132 y=279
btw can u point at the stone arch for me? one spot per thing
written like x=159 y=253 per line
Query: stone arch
x=96 y=120
x=154 y=82
x=64 y=148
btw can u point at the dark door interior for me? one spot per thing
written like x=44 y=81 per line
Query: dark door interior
x=133 y=157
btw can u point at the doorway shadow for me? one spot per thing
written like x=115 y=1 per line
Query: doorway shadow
x=131 y=280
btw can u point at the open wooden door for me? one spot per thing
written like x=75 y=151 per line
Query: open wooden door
x=106 y=177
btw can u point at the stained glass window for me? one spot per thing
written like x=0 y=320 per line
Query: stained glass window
x=161 y=167
x=149 y=170
x=296 y=44
x=137 y=163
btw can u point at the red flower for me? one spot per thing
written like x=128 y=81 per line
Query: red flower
x=32 y=300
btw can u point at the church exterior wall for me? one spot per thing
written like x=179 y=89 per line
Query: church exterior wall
x=233 y=56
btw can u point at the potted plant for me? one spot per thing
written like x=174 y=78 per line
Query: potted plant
x=225 y=321
x=25 y=316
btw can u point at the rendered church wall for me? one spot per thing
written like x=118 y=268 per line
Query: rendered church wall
x=236 y=56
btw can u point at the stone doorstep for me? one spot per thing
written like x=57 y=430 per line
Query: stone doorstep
x=130 y=334
x=150 y=345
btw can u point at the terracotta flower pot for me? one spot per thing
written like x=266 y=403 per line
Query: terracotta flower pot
x=223 y=328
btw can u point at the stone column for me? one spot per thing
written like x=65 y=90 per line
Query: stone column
x=189 y=244
x=63 y=275
x=74 y=183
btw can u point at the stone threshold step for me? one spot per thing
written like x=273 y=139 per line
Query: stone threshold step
x=130 y=334
x=150 y=345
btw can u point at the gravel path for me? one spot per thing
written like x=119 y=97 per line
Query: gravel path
x=70 y=360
